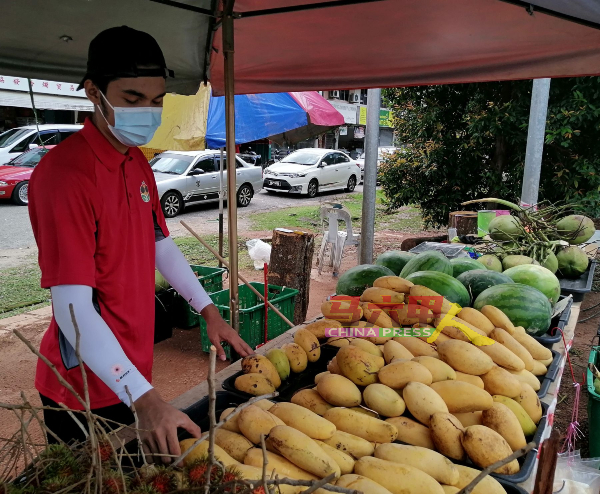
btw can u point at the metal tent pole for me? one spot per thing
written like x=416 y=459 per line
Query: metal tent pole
x=367 y=232
x=231 y=173
x=221 y=166
x=535 y=142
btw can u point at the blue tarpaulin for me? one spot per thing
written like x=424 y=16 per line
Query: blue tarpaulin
x=257 y=116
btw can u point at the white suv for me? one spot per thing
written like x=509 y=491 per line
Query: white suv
x=310 y=170
x=15 y=141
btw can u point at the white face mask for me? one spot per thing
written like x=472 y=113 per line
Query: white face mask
x=134 y=126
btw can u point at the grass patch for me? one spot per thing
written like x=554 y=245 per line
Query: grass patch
x=197 y=254
x=20 y=290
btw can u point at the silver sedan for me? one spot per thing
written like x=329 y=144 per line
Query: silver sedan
x=192 y=177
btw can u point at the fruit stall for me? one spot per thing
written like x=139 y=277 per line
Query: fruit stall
x=375 y=400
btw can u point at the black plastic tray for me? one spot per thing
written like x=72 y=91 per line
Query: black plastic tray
x=511 y=488
x=198 y=412
x=554 y=335
x=547 y=379
x=580 y=286
x=294 y=382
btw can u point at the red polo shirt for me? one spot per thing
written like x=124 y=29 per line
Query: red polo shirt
x=96 y=216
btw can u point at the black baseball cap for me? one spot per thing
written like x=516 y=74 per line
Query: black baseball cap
x=125 y=52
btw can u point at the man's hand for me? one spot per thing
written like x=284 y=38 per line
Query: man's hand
x=159 y=422
x=218 y=330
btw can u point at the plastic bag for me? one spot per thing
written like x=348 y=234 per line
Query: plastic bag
x=577 y=475
x=260 y=252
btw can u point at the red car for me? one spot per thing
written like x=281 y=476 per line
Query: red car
x=14 y=176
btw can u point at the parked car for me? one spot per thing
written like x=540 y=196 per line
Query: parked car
x=15 y=141
x=15 y=175
x=310 y=170
x=192 y=177
x=381 y=154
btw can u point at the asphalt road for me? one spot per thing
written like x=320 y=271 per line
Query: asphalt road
x=16 y=233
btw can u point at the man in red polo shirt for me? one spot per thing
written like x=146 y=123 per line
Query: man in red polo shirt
x=100 y=231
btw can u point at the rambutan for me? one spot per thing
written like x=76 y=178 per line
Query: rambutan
x=195 y=473
x=57 y=460
x=112 y=482
x=143 y=489
x=57 y=483
x=105 y=451
x=164 y=480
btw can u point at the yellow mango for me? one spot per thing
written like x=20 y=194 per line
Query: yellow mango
x=282 y=466
x=339 y=391
x=344 y=460
x=530 y=402
x=254 y=384
x=503 y=357
x=453 y=330
x=201 y=451
x=422 y=295
x=231 y=424
x=501 y=419
x=469 y=378
x=533 y=346
x=398 y=374
x=392 y=349
x=309 y=343
x=394 y=283
x=485 y=447
x=396 y=477
x=355 y=446
x=539 y=369
x=259 y=364
x=426 y=460
x=502 y=336
x=461 y=397
x=409 y=314
x=446 y=433
x=499 y=381
x=488 y=485
x=345 y=311
x=527 y=377
x=416 y=346
x=440 y=371
x=382 y=296
x=297 y=357
x=339 y=341
x=376 y=315
x=476 y=318
x=524 y=419
x=233 y=443
x=422 y=401
x=367 y=346
x=321 y=375
x=465 y=357
x=361 y=484
x=254 y=421
x=362 y=425
x=498 y=318
x=412 y=432
x=302 y=451
x=469 y=418
x=357 y=365
x=333 y=367
x=318 y=327
x=384 y=400
x=311 y=400
x=302 y=419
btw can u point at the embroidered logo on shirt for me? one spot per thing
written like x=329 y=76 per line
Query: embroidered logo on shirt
x=144 y=192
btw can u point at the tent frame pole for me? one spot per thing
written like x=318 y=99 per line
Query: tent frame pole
x=221 y=200
x=228 y=53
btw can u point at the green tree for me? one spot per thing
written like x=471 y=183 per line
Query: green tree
x=467 y=141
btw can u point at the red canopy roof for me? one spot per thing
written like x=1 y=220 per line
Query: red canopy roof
x=406 y=42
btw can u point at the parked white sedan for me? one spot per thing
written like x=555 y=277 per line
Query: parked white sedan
x=192 y=177
x=310 y=170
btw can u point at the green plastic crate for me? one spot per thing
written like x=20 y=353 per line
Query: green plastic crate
x=212 y=281
x=252 y=313
x=593 y=407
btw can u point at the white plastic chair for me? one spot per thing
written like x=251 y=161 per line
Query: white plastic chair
x=338 y=239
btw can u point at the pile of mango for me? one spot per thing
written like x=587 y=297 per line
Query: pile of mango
x=392 y=414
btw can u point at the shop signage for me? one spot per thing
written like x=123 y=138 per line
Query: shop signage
x=343 y=131
x=385 y=117
x=11 y=83
x=347 y=110
x=359 y=132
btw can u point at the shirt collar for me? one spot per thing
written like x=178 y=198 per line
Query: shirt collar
x=104 y=150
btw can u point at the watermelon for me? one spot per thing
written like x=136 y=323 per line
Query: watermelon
x=442 y=283
x=462 y=264
x=538 y=277
x=432 y=260
x=357 y=279
x=524 y=305
x=394 y=260
x=478 y=280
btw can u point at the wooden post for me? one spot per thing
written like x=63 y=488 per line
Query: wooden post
x=544 y=479
x=291 y=265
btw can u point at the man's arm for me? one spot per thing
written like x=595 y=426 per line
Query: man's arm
x=173 y=266
x=101 y=352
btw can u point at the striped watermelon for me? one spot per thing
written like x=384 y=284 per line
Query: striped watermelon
x=432 y=260
x=523 y=305
x=442 y=283
x=357 y=279
x=462 y=264
x=538 y=277
x=395 y=260
x=478 y=280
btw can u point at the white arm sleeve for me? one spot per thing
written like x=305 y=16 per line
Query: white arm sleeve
x=98 y=346
x=174 y=267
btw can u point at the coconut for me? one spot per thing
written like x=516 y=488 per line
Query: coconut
x=490 y=261
x=576 y=229
x=516 y=260
x=505 y=227
x=572 y=262
x=551 y=263
x=160 y=284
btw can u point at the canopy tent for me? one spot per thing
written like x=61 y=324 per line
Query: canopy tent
x=380 y=43
x=261 y=46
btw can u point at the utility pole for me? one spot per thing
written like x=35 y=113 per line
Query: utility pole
x=536 y=133
x=367 y=232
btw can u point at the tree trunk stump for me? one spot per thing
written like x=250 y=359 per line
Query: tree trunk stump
x=291 y=265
